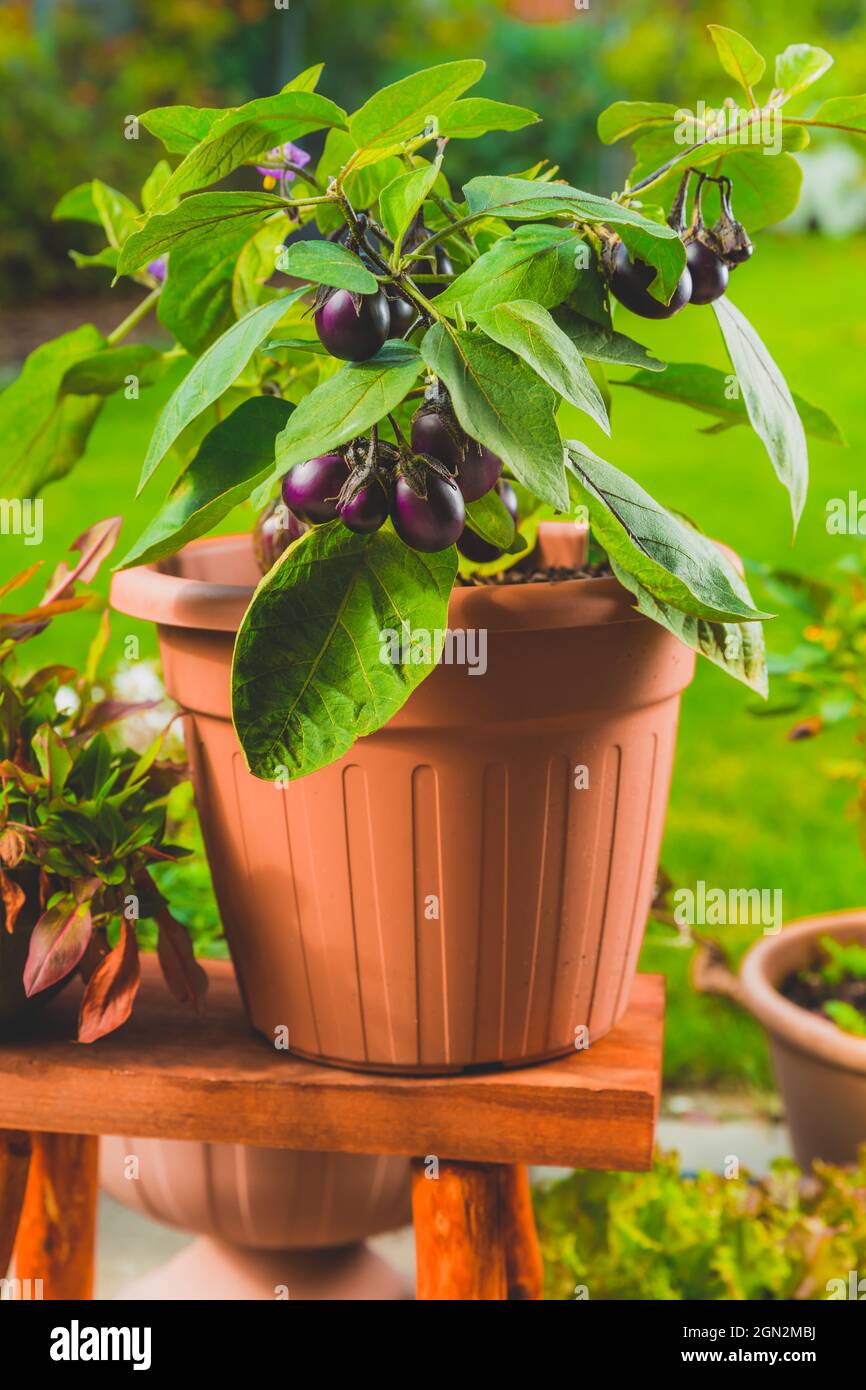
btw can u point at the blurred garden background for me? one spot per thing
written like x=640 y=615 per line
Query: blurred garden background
x=750 y=807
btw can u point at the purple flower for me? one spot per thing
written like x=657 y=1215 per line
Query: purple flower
x=157 y=268
x=276 y=169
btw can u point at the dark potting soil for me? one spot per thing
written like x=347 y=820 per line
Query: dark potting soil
x=807 y=989
x=555 y=575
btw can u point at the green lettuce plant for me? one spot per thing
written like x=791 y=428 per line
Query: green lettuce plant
x=485 y=308
x=659 y=1235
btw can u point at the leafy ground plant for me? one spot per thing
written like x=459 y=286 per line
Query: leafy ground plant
x=409 y=434
x=83 y=821
x=657 y=1235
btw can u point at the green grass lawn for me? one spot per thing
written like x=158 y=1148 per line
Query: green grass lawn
x=748 y=809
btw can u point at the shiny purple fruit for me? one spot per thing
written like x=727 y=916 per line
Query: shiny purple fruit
x=480 y=551
x=630 y=281
x=478 y=469
x=403 y=315
x=708 y=271
x=428 y=523
x=311 y=489
x=367 y=511
x=276 y=529
x=353 y=334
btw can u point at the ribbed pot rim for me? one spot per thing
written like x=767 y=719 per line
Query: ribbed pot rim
x=161 y=593
x=774 y=957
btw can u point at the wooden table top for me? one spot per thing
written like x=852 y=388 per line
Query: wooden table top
x=173 y=1075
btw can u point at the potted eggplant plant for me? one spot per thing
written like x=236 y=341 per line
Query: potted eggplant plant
x=432 y=741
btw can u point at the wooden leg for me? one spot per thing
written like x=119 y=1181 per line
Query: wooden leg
x=522 y=1251
x=57 y=1231
x=14 y=1163
x=459 y=1236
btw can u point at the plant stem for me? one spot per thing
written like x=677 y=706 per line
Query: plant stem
x=138 y=313
x=303 y=173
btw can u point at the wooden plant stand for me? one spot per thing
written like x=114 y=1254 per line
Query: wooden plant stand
x=171 y=1075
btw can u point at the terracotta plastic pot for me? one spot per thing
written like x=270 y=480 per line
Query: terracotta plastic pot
x=821 y=1071
x=260 y=1199
x=456 y=891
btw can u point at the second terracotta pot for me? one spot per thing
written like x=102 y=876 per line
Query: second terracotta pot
x=469 y=886
x=821 y=1070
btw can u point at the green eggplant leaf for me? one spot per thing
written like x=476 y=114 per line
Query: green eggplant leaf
x=44 y=434
x=211 y=375
x=245 y=133
x=674 y=562
x=502 y=403
x=537 y=262
x=108 y=371
x=319 y=658
x=710 y=390
x=196 y=301
x=799 y=66
x=740 y=59
x=475 y=116
x=490 y=519
x=327 y=263
x=195 y=220
x=738 y=648
x=404 y=110
x=356 y=397
x=533 y=334
x=231 y=459
x=768 y=402
x=602 y=344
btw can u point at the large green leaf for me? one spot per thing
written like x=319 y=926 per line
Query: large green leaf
x=402 y=111
x=230 y=460
x=490 y=519
x=109 y=370
x=709 y=390
x=477 y=115
x=501 y=402
x=77 y=206
x=117 y=213
x=255 y=265
x=246 y=132
x=180 y=128
x=358 y=396
x=625 y=117
x=842 y=113
x=196 y=301
x=327 y=263
x=799 y=66
x=195 y=220
x=532 y=263
x=530 y=332
x=311 y=672
x=769 y=403
x=43 y=434
x=740 y=59
x=675 y=563
x=668 y=257
x=211 y=375
x=516 y=199
x=738 y=648
x=602 y=344
x=403 y=197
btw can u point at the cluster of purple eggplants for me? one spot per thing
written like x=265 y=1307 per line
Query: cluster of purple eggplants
x=424 y=490
x=711 y=254
x=354 y=327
